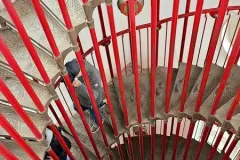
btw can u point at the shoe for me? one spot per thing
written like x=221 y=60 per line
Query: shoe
x=94 y=128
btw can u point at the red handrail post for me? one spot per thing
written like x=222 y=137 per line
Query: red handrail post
x=234 y=106
x=230 y=148
x=189 y=138
x=4 y=151
x=52 y=154
x=15 y=135
x=164 y=139
x=153 y=133
x=215 y=146
x=130 y=147
x=55 y=115
x=176 y=139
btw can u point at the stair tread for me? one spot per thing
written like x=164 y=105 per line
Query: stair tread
x=38 y=147
x=21 y=94
x=22 y=56
x=40 y=120
x=34 y=29
x=178 y=86
x=235 y=121
x=229 y=92
x=74 y=7
x=213 y=80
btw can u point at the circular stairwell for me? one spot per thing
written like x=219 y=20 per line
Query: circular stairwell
x=160 y=130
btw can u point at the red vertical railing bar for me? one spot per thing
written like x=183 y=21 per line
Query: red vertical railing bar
x=135 y=67
x=61 y=140
x=188 y=141
x=22 y=32
x=165 y=49
x=80 y=45
x=157 y=27
x=215 y=146
x=210 y=53
x=234 y=106
x=55 y=115
x=230 y=149
x=195 y=29
x=140 y=49
x=171 y=54
x=117 y=61
x=19 y=110
x=184 y=31
x=203 y=140
x=13 y=63
x=130 y=41
x=53 y=154
x=237 y=59
x=148 y=50
x=14 y=134
x=164 y=139
x=154 y=61
x=130 y=146
x=124 y=56
x=226 y=73
x=120 y=151
x=176 y=139
x=6 y=153
x=104 y=36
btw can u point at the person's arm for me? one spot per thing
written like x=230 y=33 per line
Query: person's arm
x=82 y=90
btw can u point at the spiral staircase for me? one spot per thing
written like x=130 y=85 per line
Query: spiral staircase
x=131 y=119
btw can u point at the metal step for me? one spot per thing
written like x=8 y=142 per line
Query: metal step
x=22 y=56
x=20 y=93
x=40 y=120
x=75 y=10
x=178 y=86
x=34 y=29
x=161 y=78
x=39 y=148
x=230 y=91
x=214 y=78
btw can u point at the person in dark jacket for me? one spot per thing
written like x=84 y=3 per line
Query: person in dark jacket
x=75 y=75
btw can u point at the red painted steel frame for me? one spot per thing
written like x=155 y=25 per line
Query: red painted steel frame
x=226 y=73
x=19 y=110
x=55 y=115
x=176 y=140
x=117 y=61
x=6 y=153
x=171 y=54
x=53 y=154
x=203 y=140
x=195 y=29
x=189 y=137
x=164 y=140
x=135 y=66
x=154 y=61
x=15 y=135
x=234 y=106
x=230 y=149
x=22 y=32
x=184 y=30
x=17 y=70
x=61 y=141
x=120 y=151
x=210 y=53
x=159 y=27
x=130 y=146
x=215 y=146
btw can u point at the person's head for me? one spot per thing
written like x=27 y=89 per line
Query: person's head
x=73 y=69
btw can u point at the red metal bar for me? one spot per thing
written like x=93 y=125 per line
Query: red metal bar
x=203 y=140
x=53 y=154
x=154 y=46
x=171 y=54
x=157 y=29
x=135 y=66
x=19 y=110
x=15 y=135
x=130 y=147
x=13 y=63
x=165 y=49
x=210 y=53
x=140 y=50
x=164 y=139
x=120 y=151
x=22 y=32
x=176 y=139
x=4 y=151
x=234 y=106
x=153 y=133
x=227 y=142
x=55 y=115
x=215 y=146
x=230 y=149
x=148 y=50
x=117 y=61
x=141 y=143
x=189 y=137
x=104 y=36
x=195 y=29
x=184 y=30
x=238 y=57
x=226 y=73
x=61 y=141
x=72 y=129
x=80 y=44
